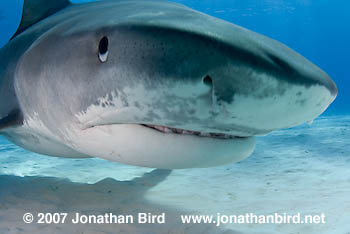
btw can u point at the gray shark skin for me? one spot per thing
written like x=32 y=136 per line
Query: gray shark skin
x=149 y=83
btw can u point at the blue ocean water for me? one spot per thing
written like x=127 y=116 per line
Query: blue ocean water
x=318 y=29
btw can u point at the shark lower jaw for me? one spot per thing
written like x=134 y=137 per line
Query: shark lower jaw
x=146 y=146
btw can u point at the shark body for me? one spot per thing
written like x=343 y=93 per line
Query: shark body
x=149 y=83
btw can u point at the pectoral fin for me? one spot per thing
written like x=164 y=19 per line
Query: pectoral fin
x=14 y=118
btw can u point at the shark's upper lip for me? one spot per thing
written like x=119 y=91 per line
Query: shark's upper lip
x=179 y=131
x=171 y=130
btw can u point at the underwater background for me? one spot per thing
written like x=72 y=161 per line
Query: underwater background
x=304 y=169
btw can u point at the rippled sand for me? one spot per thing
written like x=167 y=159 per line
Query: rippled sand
x=304 y=169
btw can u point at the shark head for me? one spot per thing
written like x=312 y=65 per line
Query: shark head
x=156 y=84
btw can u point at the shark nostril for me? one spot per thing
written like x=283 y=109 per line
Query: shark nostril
x=207 y=80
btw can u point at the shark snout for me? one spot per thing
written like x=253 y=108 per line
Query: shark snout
x=299 y=70
x=263 y=86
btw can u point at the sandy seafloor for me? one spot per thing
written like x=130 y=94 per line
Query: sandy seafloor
x=304 y=169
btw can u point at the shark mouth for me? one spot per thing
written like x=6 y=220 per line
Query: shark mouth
x=170 y=130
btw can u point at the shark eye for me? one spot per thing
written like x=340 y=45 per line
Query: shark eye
x=103 y=50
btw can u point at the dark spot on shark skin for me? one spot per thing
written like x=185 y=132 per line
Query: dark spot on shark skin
x=224 y=96
x=110 y=97
x=267 y=92
x=298 y=94
x=137 y=104
x=301 y=102
x=124 y=100
x=191 y=111
x=171 y=101
x=214 y=113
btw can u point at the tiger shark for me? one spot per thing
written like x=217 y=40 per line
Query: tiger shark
x=149 y=83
